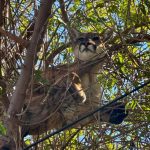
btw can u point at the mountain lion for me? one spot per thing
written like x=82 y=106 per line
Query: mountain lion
x=71 y=90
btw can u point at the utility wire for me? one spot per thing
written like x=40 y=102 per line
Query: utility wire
x=88 y=115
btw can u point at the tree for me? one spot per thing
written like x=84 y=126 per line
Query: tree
x=35 y=36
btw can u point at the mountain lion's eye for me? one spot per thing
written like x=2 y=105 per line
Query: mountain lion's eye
x=81 y=39
x=96 y=38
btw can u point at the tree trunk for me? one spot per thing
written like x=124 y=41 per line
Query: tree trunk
x=18 y=98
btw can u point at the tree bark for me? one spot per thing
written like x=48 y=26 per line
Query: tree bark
x=19 y=94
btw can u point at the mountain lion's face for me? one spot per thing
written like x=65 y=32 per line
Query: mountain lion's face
x=87 y=46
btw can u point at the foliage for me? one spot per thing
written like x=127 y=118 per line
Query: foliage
x=128 y=66
x=2 y=129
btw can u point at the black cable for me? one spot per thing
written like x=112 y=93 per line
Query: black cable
x=88 y=115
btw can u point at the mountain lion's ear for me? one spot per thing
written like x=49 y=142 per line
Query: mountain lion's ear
x=107 y=34
x=74 y=33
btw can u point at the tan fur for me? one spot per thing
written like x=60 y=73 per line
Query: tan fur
x=69 y=93
x=89 y=79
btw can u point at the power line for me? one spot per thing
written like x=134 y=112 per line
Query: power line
x=87 y=115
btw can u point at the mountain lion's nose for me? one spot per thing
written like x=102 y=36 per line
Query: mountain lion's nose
x=87 y=43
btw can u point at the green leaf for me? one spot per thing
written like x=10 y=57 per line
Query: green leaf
x=148 y=117
x=142 y=8
x=2 y=129
x=133 y=104
x=147 y=3
x=120 y=57
x=28 y=141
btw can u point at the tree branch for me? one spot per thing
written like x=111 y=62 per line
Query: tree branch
x=19 y=94
x=14 y=38
x=3 y=97
x=64 y=13
x=57 y=51
x=134 y=40
x=24 y=78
